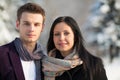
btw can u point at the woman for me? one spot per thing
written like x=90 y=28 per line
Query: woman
x=65 y=39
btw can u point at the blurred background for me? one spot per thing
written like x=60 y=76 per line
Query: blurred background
x=99 y=21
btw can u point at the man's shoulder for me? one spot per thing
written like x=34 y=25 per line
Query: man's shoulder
x=6 y=47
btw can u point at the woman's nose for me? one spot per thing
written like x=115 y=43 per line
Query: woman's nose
x=62 y=37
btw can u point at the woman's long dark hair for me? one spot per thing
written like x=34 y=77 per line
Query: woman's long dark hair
x=75 y=28
x=78 y=41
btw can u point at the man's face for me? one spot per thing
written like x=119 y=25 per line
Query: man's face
x=30 y=26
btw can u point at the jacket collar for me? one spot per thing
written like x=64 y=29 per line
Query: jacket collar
x=16 y=63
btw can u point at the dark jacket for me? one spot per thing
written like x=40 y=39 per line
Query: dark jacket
x=97 y=72
x=10 y=64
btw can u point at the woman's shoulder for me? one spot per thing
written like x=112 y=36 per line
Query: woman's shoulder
x=96 y=59
x=97 y=63
x=97 y=68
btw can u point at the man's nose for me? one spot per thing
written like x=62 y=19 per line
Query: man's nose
x=31 y=27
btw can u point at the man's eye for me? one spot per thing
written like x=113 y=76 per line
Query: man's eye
x=37 y=25
x=27 y=24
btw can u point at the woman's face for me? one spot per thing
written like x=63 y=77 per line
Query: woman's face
x=63 y=38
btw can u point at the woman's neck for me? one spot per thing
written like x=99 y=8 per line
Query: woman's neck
x=66 y=53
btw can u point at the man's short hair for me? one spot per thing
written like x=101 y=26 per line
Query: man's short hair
x=32 y=8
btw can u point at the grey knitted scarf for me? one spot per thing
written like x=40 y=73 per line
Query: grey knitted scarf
x=24 y=55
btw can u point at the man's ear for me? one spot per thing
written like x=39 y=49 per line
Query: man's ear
x=17 y=25
x=43 y=27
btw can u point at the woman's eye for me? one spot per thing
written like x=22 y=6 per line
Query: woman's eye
x=56 y=34
x=66 y=33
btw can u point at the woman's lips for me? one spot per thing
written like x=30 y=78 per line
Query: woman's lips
x=62 y=44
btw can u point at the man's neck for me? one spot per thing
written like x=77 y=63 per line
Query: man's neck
x=30 y=47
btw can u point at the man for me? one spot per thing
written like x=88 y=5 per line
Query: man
x=18 y=60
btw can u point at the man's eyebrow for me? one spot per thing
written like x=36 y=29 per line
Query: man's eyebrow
x=25 y=22
x=38 y=23
x=34 y=22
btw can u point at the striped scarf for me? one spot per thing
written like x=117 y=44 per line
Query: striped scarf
x=55 y=67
